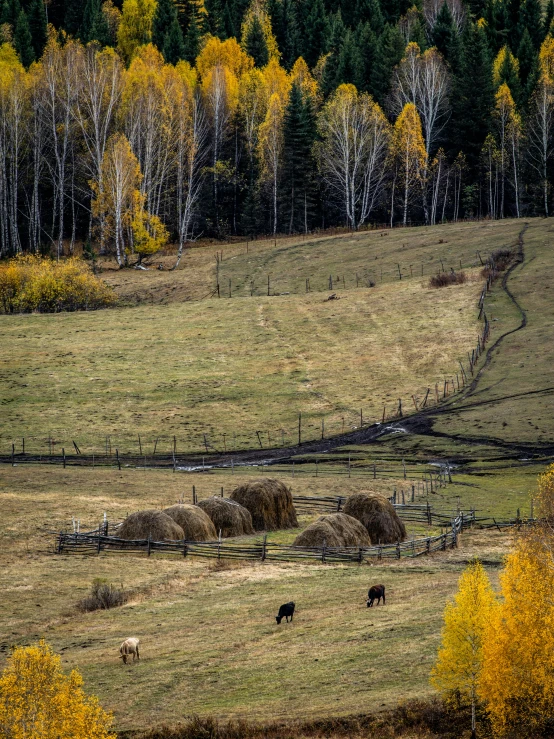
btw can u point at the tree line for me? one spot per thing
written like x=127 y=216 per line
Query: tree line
x=130 y=125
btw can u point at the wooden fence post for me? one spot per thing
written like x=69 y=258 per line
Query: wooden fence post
x=63 y=454
x=323 y=552
x=149 y=544
x=264 y=545
x=299 y=429
x=13 y=455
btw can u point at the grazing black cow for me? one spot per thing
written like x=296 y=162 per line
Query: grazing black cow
x=286 y=610
x=376 y=591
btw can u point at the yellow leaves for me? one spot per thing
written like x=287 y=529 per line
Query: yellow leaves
x=38 y=700
x=33 y=283
x=407 y=143
x=221 y=91
x=223 y=53
x=517 y=679
x=277 y=80
x=135 y=27
x=466 y=620
x=502 y=57
x=149 y=233
x=546 y=59
x=301 y=75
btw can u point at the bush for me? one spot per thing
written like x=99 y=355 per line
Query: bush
x=32 y=283
x=442 y=279
x=102 y=597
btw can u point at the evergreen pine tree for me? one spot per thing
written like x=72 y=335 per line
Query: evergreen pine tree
x=443 y=31
x=496 y=16
x=476 y=8
x=100 y=30
x=89 y=14
x=22 y=40
x=513 y=23
x=349 y=66
x=36 y=16
x=336 y=40
x=192 y=40
x=509 y=74
x=73 y=19
x=10 y=11
x=229 y=21
x=165 y=14
x=291 y=29
x=255 y=43
x=526 y=56
x=213 y=19
x=390 y=50
x=417 y=35
x=369 y=11
x=316 y=35
x=393 y=9
x=173 y=48
x=530 y=18
x=367 y=43
x=275 y=10
x=548 y=17
x=473 y=96
x=297 y=195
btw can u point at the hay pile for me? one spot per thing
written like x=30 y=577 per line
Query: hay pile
x=378 y=516
x=228 y=516
x=196 y=524
x=335 y=530
x=269 y=502
x=159 y=526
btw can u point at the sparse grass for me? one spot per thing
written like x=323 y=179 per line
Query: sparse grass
x=209 y=640
x=228 y=366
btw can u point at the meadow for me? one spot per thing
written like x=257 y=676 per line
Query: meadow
x=167 y=363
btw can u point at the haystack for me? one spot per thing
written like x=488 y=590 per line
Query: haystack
x=196 y=524
x=228 y=516
x=269 y=502
x=335 y=530
x=159 y=526
x=378 y=516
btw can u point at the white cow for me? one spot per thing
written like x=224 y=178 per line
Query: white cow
x=128 y=647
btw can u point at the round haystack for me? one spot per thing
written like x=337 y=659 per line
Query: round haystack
x=196 y=524
x=378 y=516
x=335 y=530
x=154 y=524
x=269 y=502
x=227 y=516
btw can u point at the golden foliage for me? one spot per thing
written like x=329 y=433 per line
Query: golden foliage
x=38 y=700
x=546 y=59
x=223 y=53
x=33 y=283
x=277 y=80
x=517 y=679
x=301 y=75
x=135 y=26
x=466 y=618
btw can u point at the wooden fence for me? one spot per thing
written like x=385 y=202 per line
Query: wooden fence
x=95 y=542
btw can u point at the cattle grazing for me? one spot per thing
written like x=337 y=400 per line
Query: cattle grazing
x=129 y=647
x=376 y=592
x=286 y=610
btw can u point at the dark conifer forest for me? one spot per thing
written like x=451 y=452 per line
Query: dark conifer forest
x=129 y=124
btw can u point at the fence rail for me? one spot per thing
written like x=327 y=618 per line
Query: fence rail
x=95 y=542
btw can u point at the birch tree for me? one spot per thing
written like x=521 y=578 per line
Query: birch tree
x=540 y=122
x=352 y=152
x=408 y=159
x=270 y=149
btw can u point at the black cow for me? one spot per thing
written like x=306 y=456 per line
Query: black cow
x=376 y=591
x=286 y=610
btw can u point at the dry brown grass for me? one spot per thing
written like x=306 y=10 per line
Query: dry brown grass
x=210 y=644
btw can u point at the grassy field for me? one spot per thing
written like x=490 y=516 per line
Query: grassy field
x=230 y=367
x=210 y=644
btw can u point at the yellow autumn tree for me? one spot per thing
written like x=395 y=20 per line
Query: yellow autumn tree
x=135 y=26
x=517 y=679
x=277 y=81
x=38 y=700
x=270 y=150
x=300 y=75
x=408 y=158
x=503 y=59
x=460 y=657
x=228 y=54
x=257 y=13
x=546 y=59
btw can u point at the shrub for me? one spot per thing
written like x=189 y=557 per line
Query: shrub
x=442 y=279
x=103 y=596
x=32 y=283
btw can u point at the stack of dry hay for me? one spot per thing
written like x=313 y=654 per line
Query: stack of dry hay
x=336 y=530
x=378 y=516
x=154 y=524
x=196 y=524
x=269 y=502
x=227 y=516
